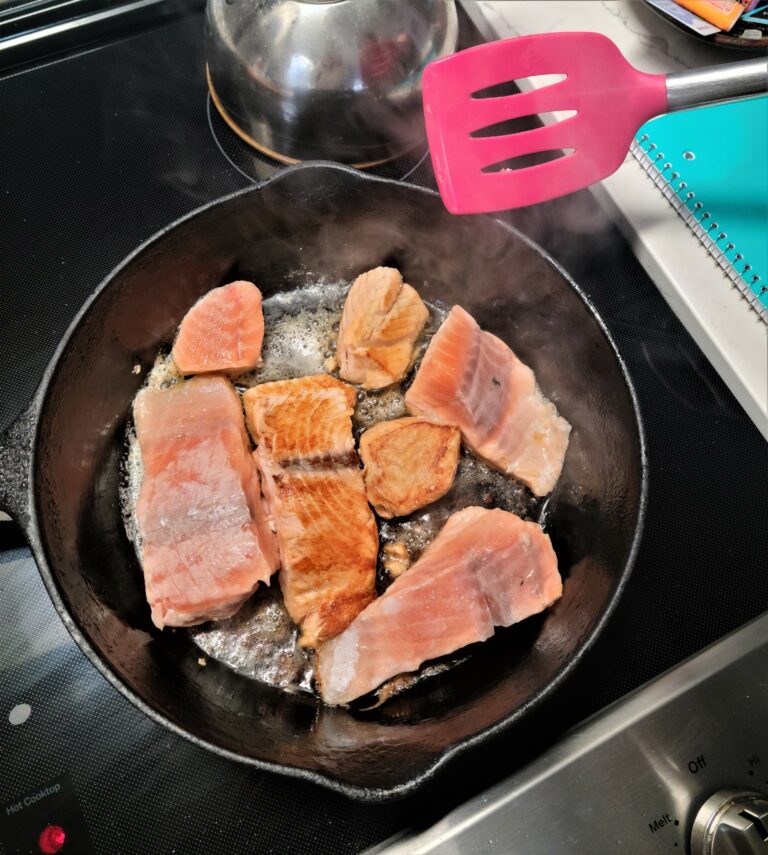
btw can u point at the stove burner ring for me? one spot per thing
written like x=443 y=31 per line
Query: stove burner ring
x=268 y=152
x=257 y=163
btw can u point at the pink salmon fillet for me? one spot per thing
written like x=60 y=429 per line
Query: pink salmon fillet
x=223 y=331
x=472 y=379
x=485 y=568
x=205 y=538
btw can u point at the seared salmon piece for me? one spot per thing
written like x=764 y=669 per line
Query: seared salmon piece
x=409 y=463
x=485 y=568
x=301 y=420
x=472 y=379
x=223 y=331
x=380 y=323
x=205 y=539
x=315 y=493
x=328 y=544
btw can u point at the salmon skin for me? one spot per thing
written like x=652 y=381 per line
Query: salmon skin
x=485 y=568
x=409 y=463
x=380 y=322
x=223 y=331
x=205 y=539
x=314 y=488
x=471 y=378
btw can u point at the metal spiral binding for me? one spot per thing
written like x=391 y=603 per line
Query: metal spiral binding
x=700 y=222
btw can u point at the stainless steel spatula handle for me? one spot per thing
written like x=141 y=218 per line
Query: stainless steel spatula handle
x=717 y=83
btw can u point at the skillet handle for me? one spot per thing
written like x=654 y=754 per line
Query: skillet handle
x=15 y=466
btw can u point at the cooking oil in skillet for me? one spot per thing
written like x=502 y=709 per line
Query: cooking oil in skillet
x=301 y=325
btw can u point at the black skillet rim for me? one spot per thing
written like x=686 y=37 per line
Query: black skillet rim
x=351 y=790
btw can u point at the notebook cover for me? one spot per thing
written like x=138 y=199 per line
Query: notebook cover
x=711 y=165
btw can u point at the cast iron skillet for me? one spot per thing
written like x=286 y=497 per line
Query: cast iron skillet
x=59 y=470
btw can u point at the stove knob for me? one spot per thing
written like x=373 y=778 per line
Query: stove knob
x=731 y=822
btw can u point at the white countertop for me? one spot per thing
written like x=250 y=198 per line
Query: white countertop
x=713 y=311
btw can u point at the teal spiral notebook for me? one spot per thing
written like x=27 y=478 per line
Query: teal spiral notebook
x=711 y=163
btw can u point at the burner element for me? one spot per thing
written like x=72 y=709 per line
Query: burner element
x=257 y=164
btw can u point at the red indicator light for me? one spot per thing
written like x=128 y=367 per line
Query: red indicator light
x=51 y=839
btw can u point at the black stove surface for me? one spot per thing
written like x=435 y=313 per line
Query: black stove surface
x=97 y=152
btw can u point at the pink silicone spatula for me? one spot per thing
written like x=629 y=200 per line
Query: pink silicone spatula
x=612 y=99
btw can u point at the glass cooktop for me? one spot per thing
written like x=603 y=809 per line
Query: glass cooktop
x=100 y=149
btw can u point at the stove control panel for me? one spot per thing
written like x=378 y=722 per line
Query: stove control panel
x=44 y=820
x=679 y=766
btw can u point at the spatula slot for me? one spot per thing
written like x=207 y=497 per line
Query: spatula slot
x=524 y=161
x=516 y=126
x=513 y=87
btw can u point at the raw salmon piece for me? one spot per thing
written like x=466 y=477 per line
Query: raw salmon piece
x=223 y=331
x=305 y=419
x=381 y=320
x=205 y=539
x=409 y=463
x=472 y=379
x=485 y=568
x=315 y=492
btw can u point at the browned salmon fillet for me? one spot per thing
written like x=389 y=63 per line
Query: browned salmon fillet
x=328 y=543
x=381 y=321
x=315 y=492
x=308 y=419
x=485 y=568
x=409 y=463
x=205 y=539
